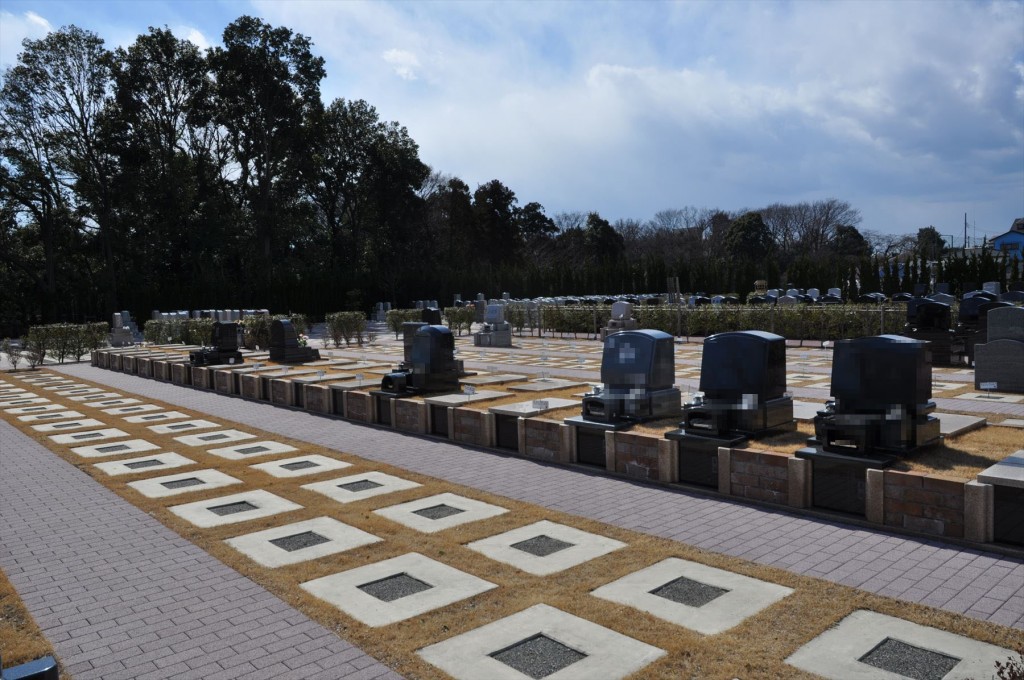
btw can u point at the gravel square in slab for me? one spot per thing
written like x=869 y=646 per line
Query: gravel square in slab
x=266 y=548
x=394 y=587
x=301 y=466
x=160 y=461
x=542 y=545
x=447 y=585
x=50 y=416
x=741 y=598
x=67 y=425
x=121 y=448
x=603 y=653
x=585 y=546
x=538 y=656
x=183 y=426
x=156 y=417
x=230 y=509
x=172 y=485
x=909 y=661
x=78 y=391
x=306 y=539
x=46 y=407
x=91 y=435
x=838 y=652
x=105 y=400
x=358 y=487
x=440 y=512
x=11 y=405
x=128 y=410
x=252 y=450
x=221 y=437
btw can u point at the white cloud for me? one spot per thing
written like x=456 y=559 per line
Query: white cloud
x=14 y=28
x=405 y=63
x=193 y=35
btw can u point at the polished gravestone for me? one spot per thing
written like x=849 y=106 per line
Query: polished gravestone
x=743 y=381
x=284 y=344
x=881 y=410
x=223 y=347
x=430 y=364
x=999 y=362
x=930 y=321
x=496 y=331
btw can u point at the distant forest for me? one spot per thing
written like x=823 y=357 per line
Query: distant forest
x=161 y=176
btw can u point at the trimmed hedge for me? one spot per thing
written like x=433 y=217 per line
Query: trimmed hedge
x=186 y=331
x=64 y=341
x=346 y=326
x=460 y=318
x=396 y=317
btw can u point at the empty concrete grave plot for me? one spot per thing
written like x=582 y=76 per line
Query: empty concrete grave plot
x=545 y=547
x=50 y=415
x=123 y=447
x=300 y=466
x=185 y=482
x=396 y=589
x=160 y=461
x=88 y=436
x=240 y=507
x=443 y=511
x=870 y=645
x=183 y=426
x=156 y=417
x=301 y=541
x=360 y=487
x=45 y=407
x=251 y=450
x=129 y=410
x=66 y=425
x=692 y=595
x=541 y=642
x=218 y=437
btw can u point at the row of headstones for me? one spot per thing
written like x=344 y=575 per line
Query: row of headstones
x=224 y=315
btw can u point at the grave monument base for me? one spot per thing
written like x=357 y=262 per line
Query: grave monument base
x=698 y=455
x=838 y=481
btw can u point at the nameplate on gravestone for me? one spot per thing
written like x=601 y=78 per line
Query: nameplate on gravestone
x=469 y=390
x=540 y=404
x=320 y=374
x=988 y=386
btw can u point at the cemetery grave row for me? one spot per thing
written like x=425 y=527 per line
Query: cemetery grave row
x=959 y=508
x=438 y=580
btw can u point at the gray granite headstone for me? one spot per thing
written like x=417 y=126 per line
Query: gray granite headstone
x=1006 y=323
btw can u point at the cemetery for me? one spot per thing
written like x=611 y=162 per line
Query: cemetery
x=868 y=430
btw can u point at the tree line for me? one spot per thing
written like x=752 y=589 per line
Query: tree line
x=159 y=176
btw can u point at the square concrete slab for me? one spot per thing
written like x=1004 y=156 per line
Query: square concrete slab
x=397 y=589
x=1010 y=422
x=184 y=482
x=240 y=507
x=50 y=416
x=183 y=426
x=115 y=449
x=528 y=409
x=12 y=405
x=301 y=541
x=693 y=595
x=90 y=435
x=443 y=511
x=156 y=417
x=541 y=384
x=66 y=425
x=533 y=643
x=996 y=397
x=301 y=466
x=252 y=450
x=952 y=424
x=360 y=487
x=132 y=466
x=219 y=437
x=79 y=390
x=13 y=392
x=545 y=547
x=463 y=399
x=129 y=410
x=806 y=410
x=1007 y=472
x=43 y=406
x=104 y=399
x=492 y=379
x=866 y=645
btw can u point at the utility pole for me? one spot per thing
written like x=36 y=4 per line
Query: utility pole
x=965 y=233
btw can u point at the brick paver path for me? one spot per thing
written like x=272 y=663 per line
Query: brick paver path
x=119 y=595
x=980 y=584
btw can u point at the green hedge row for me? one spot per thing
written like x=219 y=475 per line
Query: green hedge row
x=63 y=341
x=347 y=326
x=256 y=330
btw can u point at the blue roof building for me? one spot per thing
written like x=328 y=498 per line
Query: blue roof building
x=1012 y=242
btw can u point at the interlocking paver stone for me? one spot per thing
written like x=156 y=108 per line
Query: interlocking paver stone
x=105 y=580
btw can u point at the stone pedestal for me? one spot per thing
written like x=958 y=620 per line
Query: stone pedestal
x=839 y=482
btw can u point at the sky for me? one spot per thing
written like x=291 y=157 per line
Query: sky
x=912 y=111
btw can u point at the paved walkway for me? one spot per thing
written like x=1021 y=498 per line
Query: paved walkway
x=119 y=595
x=979 y=584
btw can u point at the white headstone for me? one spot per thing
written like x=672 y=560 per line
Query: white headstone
x=495 y=314
x=992 y=287
x=622 y=311
x=837 y=292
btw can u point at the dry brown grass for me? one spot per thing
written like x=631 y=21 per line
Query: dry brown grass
x=21 y=640
x=755 y=649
